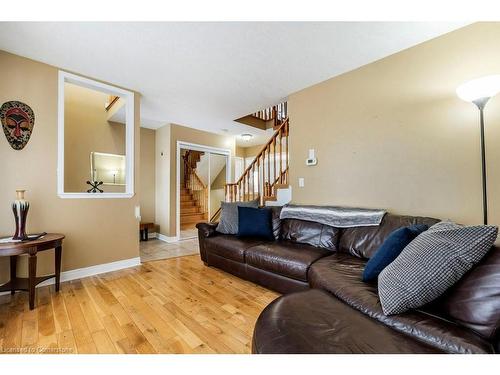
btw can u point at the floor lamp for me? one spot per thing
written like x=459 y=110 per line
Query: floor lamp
x=479 y=91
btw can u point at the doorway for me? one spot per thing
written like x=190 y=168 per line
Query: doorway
x=202 y=172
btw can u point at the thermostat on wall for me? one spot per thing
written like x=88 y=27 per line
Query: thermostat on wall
x=311 y=160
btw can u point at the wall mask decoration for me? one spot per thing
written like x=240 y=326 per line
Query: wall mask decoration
x=18 y=120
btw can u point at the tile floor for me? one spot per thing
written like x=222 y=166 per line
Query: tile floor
x=155 y=249
x=189 y=233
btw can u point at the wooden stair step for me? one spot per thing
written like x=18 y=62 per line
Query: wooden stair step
x=190 y=209
x=193 y=218
x=187 y=204
x=192 y=215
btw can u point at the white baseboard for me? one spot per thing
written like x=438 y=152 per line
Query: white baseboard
x=164 y=238
x=80 y=273
x=152 y=235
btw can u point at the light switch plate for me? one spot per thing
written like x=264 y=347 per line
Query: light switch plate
x=301 y=181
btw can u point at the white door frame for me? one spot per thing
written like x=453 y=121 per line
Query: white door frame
x=196 y=147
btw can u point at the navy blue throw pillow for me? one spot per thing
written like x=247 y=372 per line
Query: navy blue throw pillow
x=255 y=222
x=390 y=249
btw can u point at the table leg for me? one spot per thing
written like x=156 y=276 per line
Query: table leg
x=13 y=272
x=146 y=235
x=58 y=256
x=32 y=279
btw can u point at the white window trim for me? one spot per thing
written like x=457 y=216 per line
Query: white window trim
x=128 y=96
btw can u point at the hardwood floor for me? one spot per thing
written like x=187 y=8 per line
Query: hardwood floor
x=167 y=306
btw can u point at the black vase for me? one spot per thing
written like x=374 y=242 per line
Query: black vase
x=20 y=208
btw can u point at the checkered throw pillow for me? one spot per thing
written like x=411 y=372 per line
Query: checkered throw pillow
x=432 y=263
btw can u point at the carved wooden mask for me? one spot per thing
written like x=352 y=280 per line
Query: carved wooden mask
x=18 y=120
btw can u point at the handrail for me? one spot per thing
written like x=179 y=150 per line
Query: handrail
x=195 y=185
x=112 y=100
x=216 y=214
x=193 y=172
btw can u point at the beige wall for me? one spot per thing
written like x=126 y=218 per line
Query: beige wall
x=162 y=190
x=393 y=134
x=247 y=152
x=166 y=168
x=97 y=230
x=148 y=175
x=86 y=130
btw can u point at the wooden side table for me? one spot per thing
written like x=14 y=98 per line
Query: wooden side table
x=49 y=241
x=144 y=230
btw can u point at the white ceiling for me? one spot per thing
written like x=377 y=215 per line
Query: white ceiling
x=205 y=75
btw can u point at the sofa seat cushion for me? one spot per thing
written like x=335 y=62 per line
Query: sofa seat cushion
x=285 y=258
x=315 y=322
x=230 y=247
x=341 y=275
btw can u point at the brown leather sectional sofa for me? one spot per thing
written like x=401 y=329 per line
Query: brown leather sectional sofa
x=327 y=308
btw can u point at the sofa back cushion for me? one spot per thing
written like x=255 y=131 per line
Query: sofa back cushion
x=311 y=233
x=363 y=242
x=228 y=223
x=474 y=302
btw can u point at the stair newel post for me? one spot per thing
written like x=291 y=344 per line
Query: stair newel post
x=248 y=186
x=280 y=136
x=245 y=181
x=253 y=181
x=274 y=167
x=287 y=134
x=258 y=178
x=268 y=168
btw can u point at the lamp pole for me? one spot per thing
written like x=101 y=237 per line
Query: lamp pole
x=479 y=91
x=480 y=103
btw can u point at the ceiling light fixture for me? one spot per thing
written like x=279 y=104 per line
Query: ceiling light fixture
x=246 y=137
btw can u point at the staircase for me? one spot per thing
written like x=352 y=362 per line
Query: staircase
x=268 y=173
x=193 y=193
x=191 y=211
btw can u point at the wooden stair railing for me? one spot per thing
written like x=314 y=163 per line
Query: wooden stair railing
x=112 y=99
x=194 y=183
x=262 y=178
x=216 y=215
x=277 y=113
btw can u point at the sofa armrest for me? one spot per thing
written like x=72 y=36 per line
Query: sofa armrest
x=206 y=229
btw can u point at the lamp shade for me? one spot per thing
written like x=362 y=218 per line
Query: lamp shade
x=484 y=87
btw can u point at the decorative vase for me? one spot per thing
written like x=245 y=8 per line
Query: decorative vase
x=20 y=208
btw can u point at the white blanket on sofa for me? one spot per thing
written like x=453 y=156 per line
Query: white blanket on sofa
x=340 y=217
